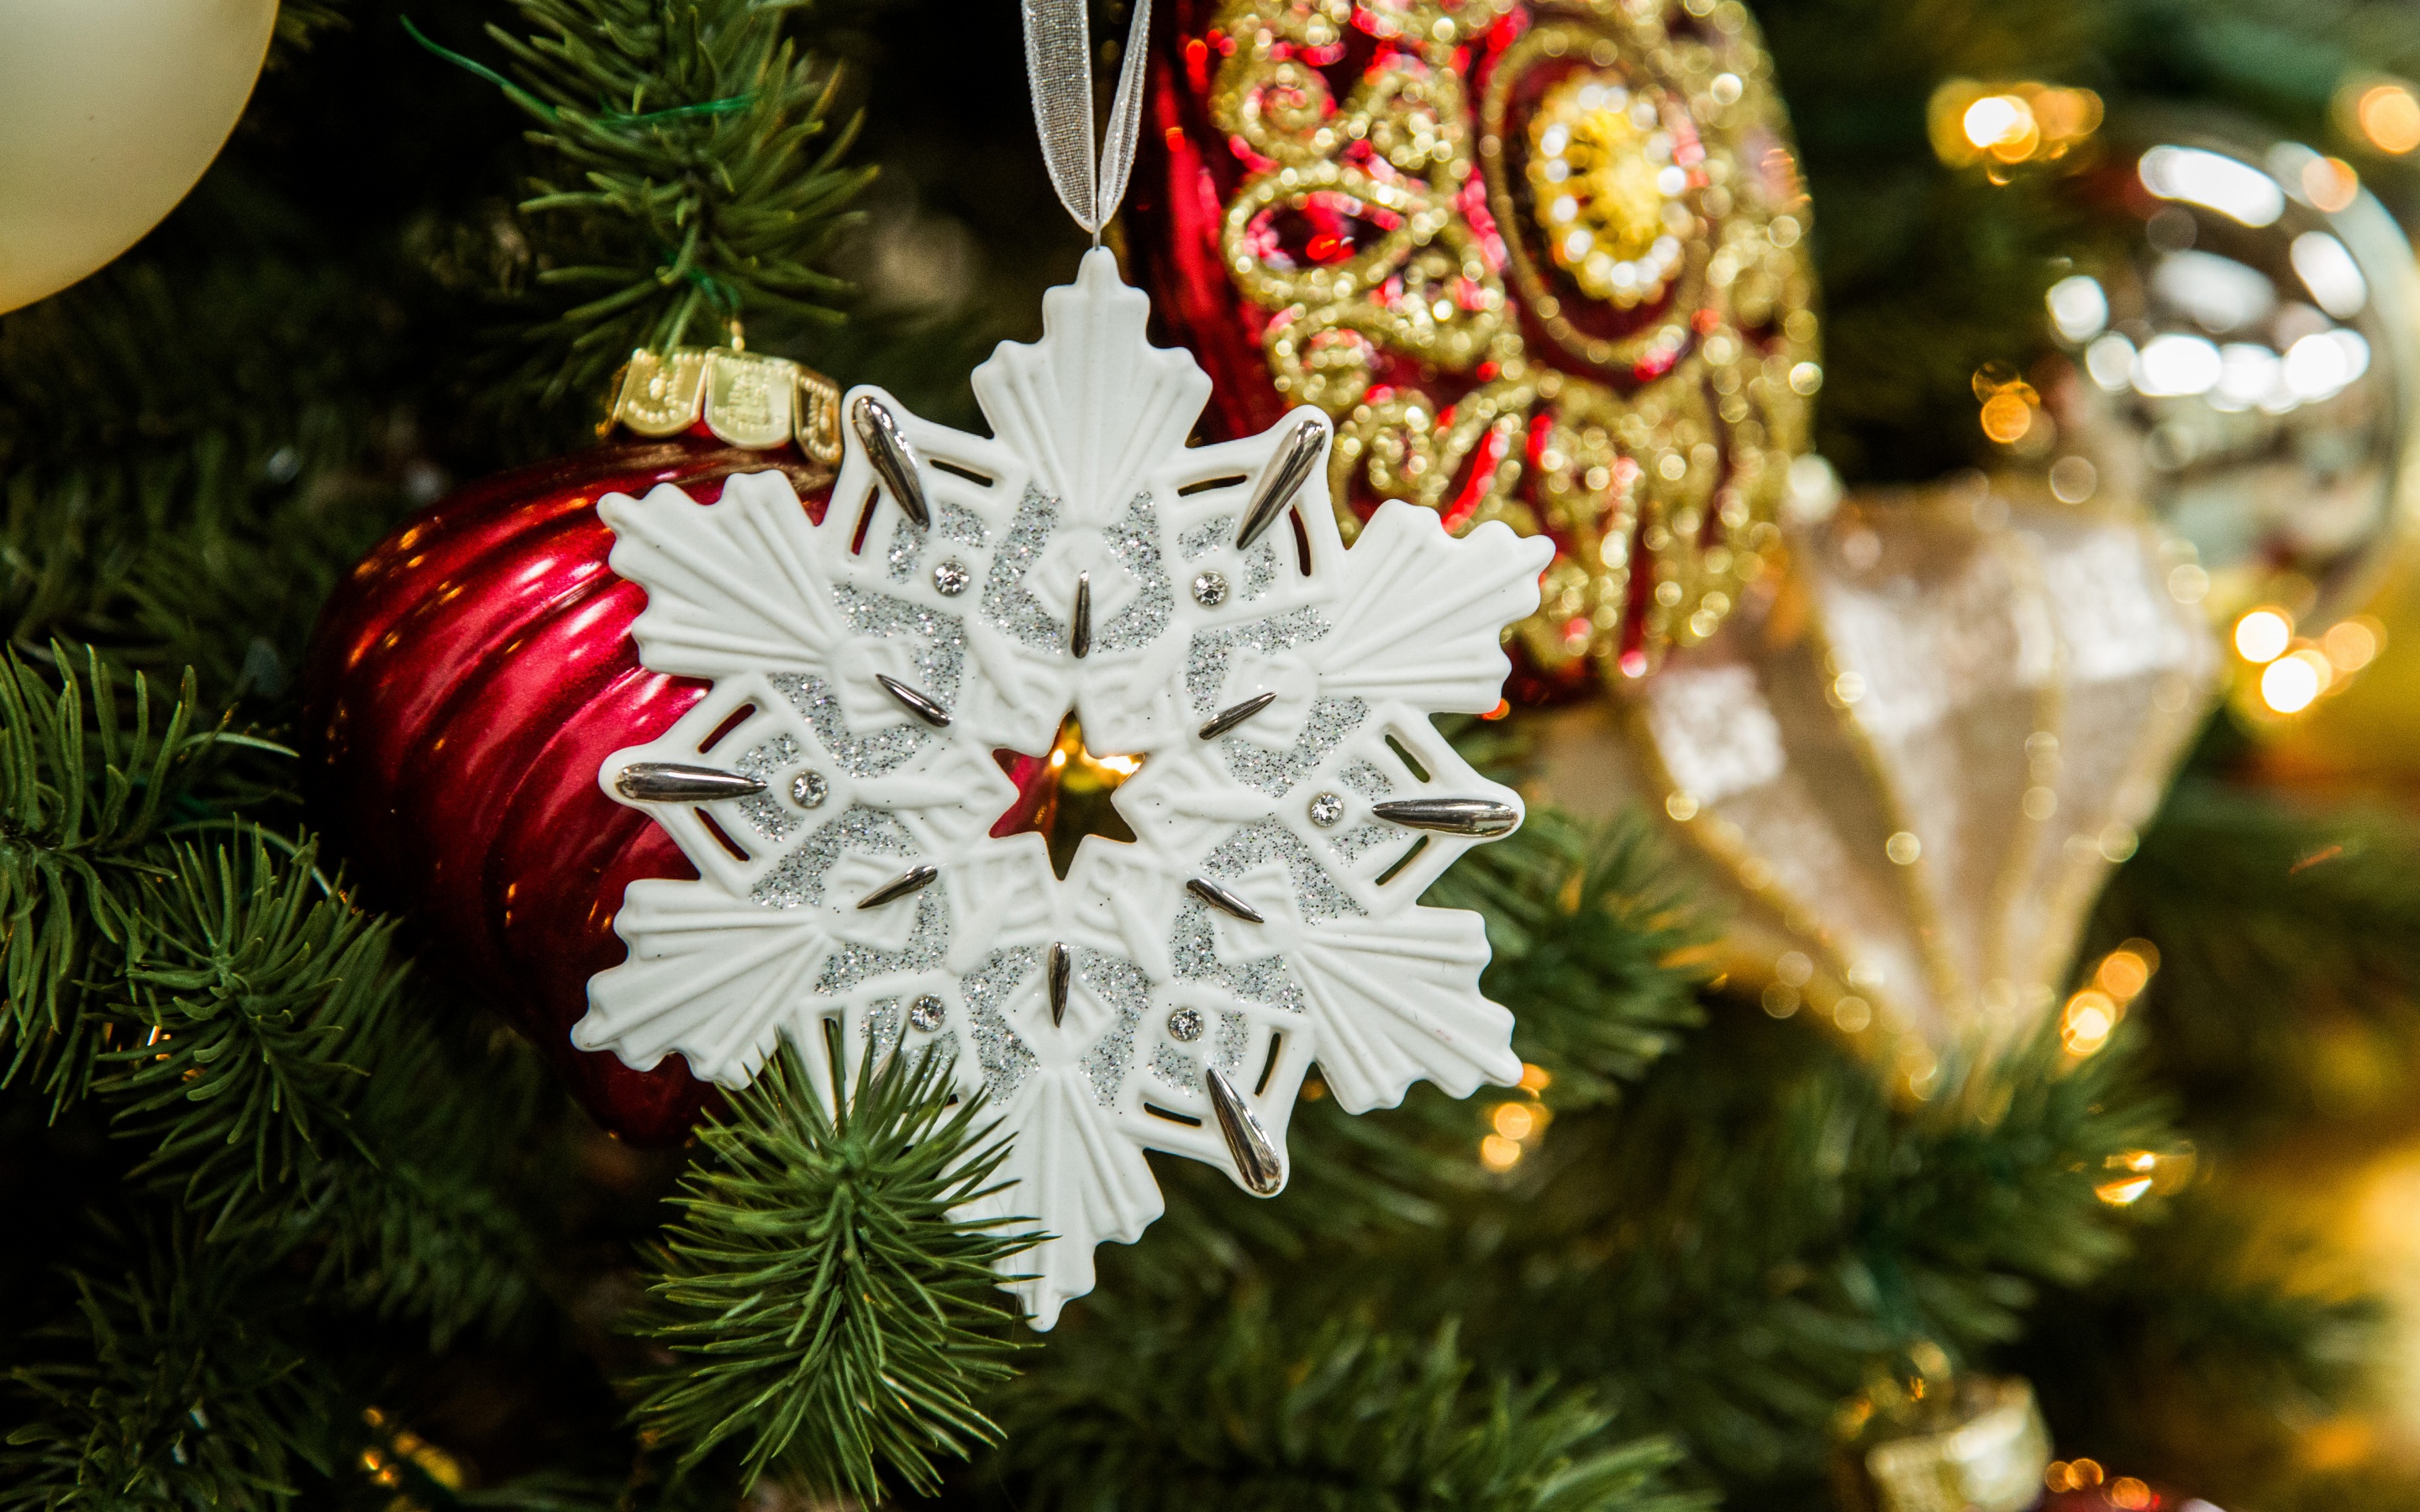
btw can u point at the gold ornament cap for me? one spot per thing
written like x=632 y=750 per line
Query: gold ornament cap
x=1969 y=1443
x=745 y=398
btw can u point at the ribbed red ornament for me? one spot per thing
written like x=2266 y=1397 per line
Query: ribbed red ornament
x=465 y=684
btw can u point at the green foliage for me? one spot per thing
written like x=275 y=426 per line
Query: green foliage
x=2290 y=952
x=1594 y=946
x=174 y=1391
x=687 y=193
x=1247 y=1409
x=82 y=794
x=833 y=1320
x=259 y=990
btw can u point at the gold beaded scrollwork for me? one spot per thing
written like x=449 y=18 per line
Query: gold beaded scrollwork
x=1577 y=303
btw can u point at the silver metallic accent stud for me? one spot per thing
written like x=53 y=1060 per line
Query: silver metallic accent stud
x=1185 y=1025
x=672 y=782
x=1210 y=589
x=951 y=577
x=915 y=879
x=808 y=790
x=1289 y=468
x=1219 y=897
x=927 y=1012
x=893 y=459
x=1062 y=961
x=1256 y=1159
x=1327 y=808
x=1079 y=638
x=918 y=704
x=1229 y=718
x=1450 y=816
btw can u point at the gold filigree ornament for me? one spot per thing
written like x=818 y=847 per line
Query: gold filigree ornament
x=1911 y=760
x=1543 y=264
x=744 y=398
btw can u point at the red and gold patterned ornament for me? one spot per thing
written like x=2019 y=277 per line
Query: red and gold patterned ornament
x=474 y=669
x=1543 y=263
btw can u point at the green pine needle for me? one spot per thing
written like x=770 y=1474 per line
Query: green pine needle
x=832 y=1319
x=1243 y=1407
x=83 y=789
x=695 y=178
x=256 y=987
x=174 y=1391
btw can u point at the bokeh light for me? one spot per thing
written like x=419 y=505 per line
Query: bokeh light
x=2263 y=635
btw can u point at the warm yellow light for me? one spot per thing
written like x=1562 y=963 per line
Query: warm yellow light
x=2330 y=183
x=2129 y=1494
x=2353 y=644
x=2122 y=975
x=2263 y=635
x=2085 y=1028
x=1123 y=766
x=1514 y=1120
x=1994 y=118
x=2123 y=1192
x=2006 y=417
x=2390 y=118
x=2289 y=684
x=1059 y=758
x=1535 y=1078
x=1499 y=1153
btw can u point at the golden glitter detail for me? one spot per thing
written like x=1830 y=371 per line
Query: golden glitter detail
x=1657 y=438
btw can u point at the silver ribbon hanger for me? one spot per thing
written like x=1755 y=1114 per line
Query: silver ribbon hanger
x=1059 y=69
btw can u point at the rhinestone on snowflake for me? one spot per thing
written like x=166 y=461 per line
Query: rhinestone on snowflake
x=1079 y=524
x=808 y=790
x=1327 y=808
x=952 y=577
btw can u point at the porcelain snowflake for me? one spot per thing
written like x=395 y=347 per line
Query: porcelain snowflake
x=1196 y=609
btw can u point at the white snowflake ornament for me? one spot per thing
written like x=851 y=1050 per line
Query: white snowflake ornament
x=1195 y=611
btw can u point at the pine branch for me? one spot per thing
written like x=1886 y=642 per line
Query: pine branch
x=440 y=1206
x=1243 y=1407
x=686 y=192
x=1595 y=948
x=176 y=1391
x=831 y=1320
x=258 y=988
x=82 y=795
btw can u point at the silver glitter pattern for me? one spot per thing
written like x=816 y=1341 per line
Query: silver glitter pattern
x=853 y=963
x=1315 y=890
x=906 y=548
x=1004 y=1058
x=1006 y=601
x=1207 y=537
x=1359 y=840
x=1135 y=543
x=1193 y=949
x=963 y=525
x=1331 y=721
x=765 y=815
x=1365 y=778
x=798 y=879
x=1120 y=983
x=881 y=1025
x=1259 y=570
x=1227 y=1050
x=1176 y=1067
x=1206 y=658
x=940 y=663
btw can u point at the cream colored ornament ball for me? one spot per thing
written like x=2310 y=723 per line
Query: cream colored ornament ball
x=110 y=110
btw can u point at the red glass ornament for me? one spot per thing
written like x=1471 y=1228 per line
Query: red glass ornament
x=465 y=684
x=1290 y=238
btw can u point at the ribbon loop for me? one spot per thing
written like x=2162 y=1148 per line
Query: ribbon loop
x=1059 y=70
